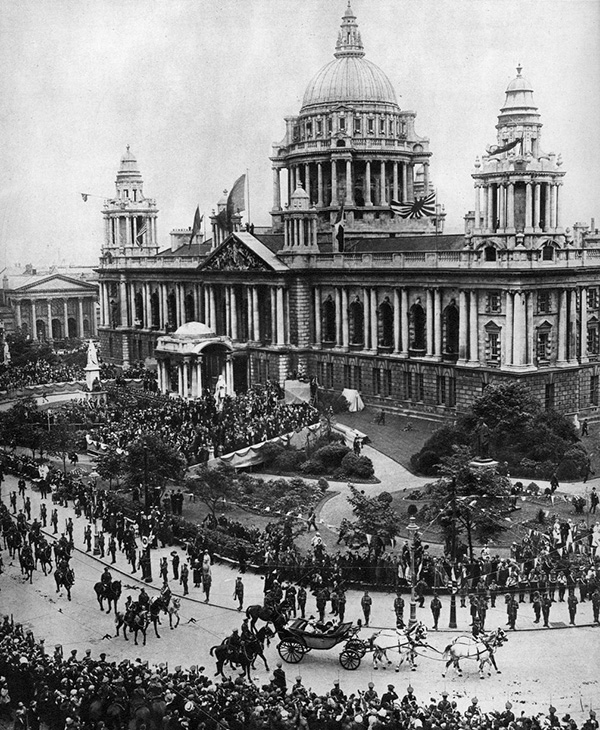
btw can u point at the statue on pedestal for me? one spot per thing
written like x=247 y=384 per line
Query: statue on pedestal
x=92 y=369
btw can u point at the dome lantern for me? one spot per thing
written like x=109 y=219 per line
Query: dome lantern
x=349 y=41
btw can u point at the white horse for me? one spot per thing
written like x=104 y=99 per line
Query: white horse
x=173 y=611
x=409 y=638
x=379 y=652
x=481 y=649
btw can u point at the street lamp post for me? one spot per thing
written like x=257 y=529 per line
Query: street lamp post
x=412 y=530
x=146 y=503
x=454 y=587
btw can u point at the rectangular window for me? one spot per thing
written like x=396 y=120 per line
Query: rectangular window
x=391 y=127
x=371 y=125
x=549 y=396
x=543 y=345
x=347 y=376
x=330 y=375
x=330 y=125
x=593 y=299
x=543 y=302
x=493 y=302
x=387 y=383
x=408 y=391
x=594 y=380
x=319 y=127
x=451 y=392
x=357 y=125
x=376 y=381
x=420 y=386
x=593 y=341
x=382 y=126
x=441 y=389
x=342 y=124
x=357 y=377
x=494 y=346
x=309 y=129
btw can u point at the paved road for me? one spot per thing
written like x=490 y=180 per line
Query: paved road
x=539 y=666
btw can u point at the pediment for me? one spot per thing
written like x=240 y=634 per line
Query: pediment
x=242 y=252
x=57 y=283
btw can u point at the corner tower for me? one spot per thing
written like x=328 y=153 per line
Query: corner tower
x=518 y=185
x=352 y=146
x=130 y=218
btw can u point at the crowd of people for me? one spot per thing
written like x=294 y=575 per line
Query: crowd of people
x=41 y=685
x=37 y=372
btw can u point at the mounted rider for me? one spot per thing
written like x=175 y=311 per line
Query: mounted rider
x=106 y=578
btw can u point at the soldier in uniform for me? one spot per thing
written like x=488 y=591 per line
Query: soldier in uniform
x=436 y=607
x=596 y=605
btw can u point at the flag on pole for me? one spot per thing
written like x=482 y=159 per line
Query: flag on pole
x=418 y=208
x=84 y=196
x=497 y=150
x=196 y=227
x=139 y=239
x=236 y=200
x=338 y=229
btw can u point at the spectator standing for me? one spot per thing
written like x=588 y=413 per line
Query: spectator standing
x=238 y=592
x=436 y=607
x=366 y=602
x=572 y=604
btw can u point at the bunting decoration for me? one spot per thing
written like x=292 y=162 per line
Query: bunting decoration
x=498 y=150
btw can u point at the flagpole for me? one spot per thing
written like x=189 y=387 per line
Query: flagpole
x=248 y=195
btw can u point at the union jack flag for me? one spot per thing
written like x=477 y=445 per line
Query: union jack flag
x=417 y=208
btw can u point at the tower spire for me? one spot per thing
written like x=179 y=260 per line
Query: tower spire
x=349 y=42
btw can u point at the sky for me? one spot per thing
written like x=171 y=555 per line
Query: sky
x=200 y=89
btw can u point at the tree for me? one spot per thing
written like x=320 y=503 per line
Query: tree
x=60 y=440
x=110 y=465
x=26 y=422
x=374 y=516
x=150 y=461
x=469 y=498
x=213 y=486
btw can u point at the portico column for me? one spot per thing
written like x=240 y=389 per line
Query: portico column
x=273 y=298
x=102 y=297
x=426 y=176
x=334 y=197
x=147 y=308
x=49 y=315
x=319 y=185
x=66 y=317
x=186 y=378
x=213 y=309
x=510 y=206
x=123 y=302
x=255 y=317
x=249 y=319
x=473 y=334
x=519 y=333
x=430 y=322
x=234 y=315
x=404 y=321
x=131 y=319
x=437 y=318
x=537 y=206
x=573 y=326
x=229 y=375
x=280 y=317
x=162 y=303
x=159 y=382
x=317 y=308
x=528 y=206
x=307 y=180
x=374 y=328
x=553 y=188
x=583 y=315
x=490 y=204
x=34 y=320
x=199 y=385
x=366 y=320
x=562 y=328
x=367 y=191
x=508 y=338
x=411 y=181
x=501 y=207
x=19 y=314
x=558 y=205
x=180 y=379
x=276 y=190
x=462 y=326
x=548 y=206
x=228 y=311
x=395 y=181
x=80 y=317
x=530 y=340
x=345 y=327
x=404 y=182
x=338 y=316
x=477 y=207
x=382 y=195
x=397 y=333
x=349 y=191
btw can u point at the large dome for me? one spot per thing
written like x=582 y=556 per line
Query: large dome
x=349 y=79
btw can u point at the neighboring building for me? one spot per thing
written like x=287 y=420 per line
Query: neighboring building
x=51 y=305
x=412 y=318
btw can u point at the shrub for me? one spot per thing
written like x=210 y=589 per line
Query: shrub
x=288 y=460
x=360 y=466
x=426 y=462
x=385 y=497
x=323 y=484
x=271 y=452
x=331 y=455
x=568 y=470
x=312 y=466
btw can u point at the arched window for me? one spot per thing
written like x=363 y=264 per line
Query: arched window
x=490 y=253
x=328 y=320
x=451 y=320
x=340 y=143
x=139 y=310
x=155 y=310
x=40 y=328
x=57 y=329
x=189 y=308
x=386 y=324
x=548 y=253
x=86 y=328
x=356 y=321
x=72 y=324
x=417 y=325
x=172 y=309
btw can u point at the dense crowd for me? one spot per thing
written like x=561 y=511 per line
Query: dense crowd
x=37 y=372
x=197 y=428
x=71 y=692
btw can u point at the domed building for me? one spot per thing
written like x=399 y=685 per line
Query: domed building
x=355 y=282
x=352 y=147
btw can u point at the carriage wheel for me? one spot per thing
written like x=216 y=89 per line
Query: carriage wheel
x=357 y=646
x=349 y=659
x=290 y=651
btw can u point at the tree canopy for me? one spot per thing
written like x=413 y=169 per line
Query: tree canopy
x=150 y=457
x=213 y=486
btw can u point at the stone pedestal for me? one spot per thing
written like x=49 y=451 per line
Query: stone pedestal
x=480 y=462
x=92 y=372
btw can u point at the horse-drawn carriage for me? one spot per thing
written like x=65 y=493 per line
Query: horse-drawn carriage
x=299 y=637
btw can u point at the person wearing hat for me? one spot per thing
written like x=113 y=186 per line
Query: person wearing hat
x=444 y=705
x=507 y=716
x=279 y=680
x=175 y=564
x=298 y=689
x=436 y=607
x=389 y=697
x=371 y=694
x=366 y=601
x=336 y=692
x=473 y=709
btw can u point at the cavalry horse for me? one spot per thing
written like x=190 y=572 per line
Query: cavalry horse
x=409 y=638
x=43 y=553
x=276 y=615
x=173 y=610
x=481 y=649
x=111 y=592
x=112 y=713
x=135 y=620
x=26 y=562
x=244 y=655
x=65 y=578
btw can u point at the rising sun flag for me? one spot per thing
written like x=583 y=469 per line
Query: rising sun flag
x=417 y=208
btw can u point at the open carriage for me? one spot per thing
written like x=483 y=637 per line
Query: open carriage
x=299 y=637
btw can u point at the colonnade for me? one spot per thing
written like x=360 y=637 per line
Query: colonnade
x=321 y=177
x=495 y=204
x=41 y=308
x=189 y=375
x=126 y=234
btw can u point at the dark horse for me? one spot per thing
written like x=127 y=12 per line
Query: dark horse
x=111 y=592
x=276 y=616
x=65 y=578
x=244 y=656
x=135 y=621
x=27 y=563
x=114 y=714
x=143 y=711
x=43 y=553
